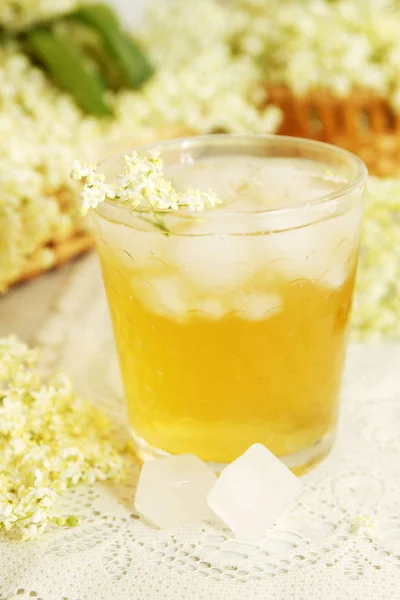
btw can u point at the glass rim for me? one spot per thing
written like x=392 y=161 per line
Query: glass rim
x=188 y=142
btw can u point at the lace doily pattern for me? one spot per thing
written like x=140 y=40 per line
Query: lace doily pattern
x=321 y=549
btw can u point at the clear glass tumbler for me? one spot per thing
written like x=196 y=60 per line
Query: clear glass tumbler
x=231 y=323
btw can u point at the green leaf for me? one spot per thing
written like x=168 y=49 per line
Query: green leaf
x=131 y=61
x=68 y=67
x=90 y=44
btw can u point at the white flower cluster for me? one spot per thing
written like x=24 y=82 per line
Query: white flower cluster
x=18 y=14
x=213 y=91
x=50 y=440
x=203 y=79
x=377 y=307
x=95 y=189
x=42 y=130
x=336 y=45
x=142 y=185
x=331 y=44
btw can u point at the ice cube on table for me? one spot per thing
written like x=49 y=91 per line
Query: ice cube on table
x=172 y=491
x=252 y=492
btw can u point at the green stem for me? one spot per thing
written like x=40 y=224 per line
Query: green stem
x=159 y=223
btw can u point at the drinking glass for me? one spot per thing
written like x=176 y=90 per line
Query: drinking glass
x=231 y=323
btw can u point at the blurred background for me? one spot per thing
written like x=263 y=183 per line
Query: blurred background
x=131 y=11
x=80 y=80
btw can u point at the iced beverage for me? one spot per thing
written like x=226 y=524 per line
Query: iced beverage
x=231 y=324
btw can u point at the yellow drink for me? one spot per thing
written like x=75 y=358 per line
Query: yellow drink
x=231 y=330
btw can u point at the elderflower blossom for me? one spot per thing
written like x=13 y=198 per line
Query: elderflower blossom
x=195 y=200
x=142 y=184
x=42 y=130
x=202 y=80
x=338 y=46
x=142 y=181
x=50 y=440
x=376 y=305
x=95 y=190
x=212 y=92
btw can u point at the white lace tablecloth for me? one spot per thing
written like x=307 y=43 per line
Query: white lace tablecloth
x=315 y=552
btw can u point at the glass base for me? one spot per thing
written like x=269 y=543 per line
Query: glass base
x=299 y=462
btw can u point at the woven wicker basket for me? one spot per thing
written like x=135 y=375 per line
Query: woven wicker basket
x=362 y=123
x=58 y=254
